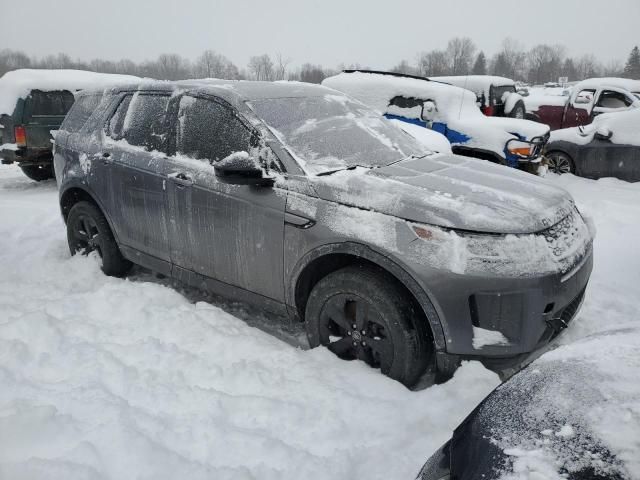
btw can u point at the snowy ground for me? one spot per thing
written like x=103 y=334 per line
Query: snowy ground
x=141 y=378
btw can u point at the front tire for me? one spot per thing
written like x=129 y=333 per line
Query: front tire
x=518 y=111
x=360 y=313
x=88 y=231
x=560 y=162
x=38 y=172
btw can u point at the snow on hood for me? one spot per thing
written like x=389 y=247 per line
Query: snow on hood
x=623 y=125
x=18 y=83
x=451 y=192
x=456 y=107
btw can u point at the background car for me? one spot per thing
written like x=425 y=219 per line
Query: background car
x=609 y=147
x=302 y=200
x=33 y=103
x=497 y=96
x=564 y=416
x=449 y=110
x=587 y=100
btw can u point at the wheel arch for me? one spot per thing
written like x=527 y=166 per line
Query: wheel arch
x=75 y=193
x=323 y=260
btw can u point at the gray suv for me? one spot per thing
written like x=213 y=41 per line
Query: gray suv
x=304 y=201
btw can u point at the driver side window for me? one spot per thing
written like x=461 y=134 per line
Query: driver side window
x=210 y=131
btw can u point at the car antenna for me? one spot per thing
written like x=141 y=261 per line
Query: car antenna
x=466 y=81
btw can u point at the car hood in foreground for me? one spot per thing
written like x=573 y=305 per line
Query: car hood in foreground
x=452 y=192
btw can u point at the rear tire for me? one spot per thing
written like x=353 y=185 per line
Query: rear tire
x=518 y=110
x=389 y=334
x=88 y=231
x=560 y=162
x=38 y=172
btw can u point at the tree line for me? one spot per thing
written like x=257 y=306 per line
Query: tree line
x=539 y=64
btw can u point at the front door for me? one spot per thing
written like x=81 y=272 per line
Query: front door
x=231 y=233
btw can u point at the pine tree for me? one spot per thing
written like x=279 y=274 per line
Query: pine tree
x=632 y=68
x=480 y=66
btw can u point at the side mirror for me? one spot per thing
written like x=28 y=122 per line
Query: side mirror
x=241 y=169
x=603 y=134
x=429 y=110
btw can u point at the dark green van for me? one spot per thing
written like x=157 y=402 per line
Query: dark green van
x=26 y=134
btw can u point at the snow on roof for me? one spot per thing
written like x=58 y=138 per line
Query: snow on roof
x=377 y=90
x=626 y=83
x=476 y=83
x=19 y=83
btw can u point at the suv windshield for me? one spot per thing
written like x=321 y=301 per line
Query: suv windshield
x=333 y=132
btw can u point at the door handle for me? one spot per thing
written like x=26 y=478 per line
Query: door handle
x=181 y=179
x=106 y=158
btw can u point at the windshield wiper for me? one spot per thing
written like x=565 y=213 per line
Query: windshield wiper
x=329 y=172
x=410 y=157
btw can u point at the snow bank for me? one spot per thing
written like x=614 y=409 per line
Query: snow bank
x=104 y=378
x=18 y=83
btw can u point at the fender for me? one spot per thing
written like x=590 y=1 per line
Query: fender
x=384 y=262
x=79 y=184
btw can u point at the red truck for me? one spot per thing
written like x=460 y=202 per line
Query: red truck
x=588 y=99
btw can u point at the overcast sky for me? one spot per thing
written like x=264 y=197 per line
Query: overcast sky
x=375 y=33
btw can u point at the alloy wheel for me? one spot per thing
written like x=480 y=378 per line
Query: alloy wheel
x=353 y=329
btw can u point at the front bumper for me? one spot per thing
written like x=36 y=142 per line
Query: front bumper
x=529 y=312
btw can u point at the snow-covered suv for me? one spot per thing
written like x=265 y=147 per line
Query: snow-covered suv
x=305 y=201
x=449 y=110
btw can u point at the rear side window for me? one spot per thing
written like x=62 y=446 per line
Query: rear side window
x=208 y=130
x=612 y=99
x=55 y=103
x=140 y=119
x=82 y=109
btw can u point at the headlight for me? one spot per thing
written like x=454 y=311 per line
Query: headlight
x=521 y=149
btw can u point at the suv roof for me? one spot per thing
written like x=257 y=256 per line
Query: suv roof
x=236 y=89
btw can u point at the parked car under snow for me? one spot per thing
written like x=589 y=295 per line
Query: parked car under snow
x=588 y=99
x=608 y=147
x=33 y=103
x=303 y=200
x=497 y=96
x=451 y=111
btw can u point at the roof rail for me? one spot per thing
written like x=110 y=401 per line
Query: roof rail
x=380 y=72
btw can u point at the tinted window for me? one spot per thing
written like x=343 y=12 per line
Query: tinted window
x=406 y=102
x=140 y=120
x=80 y=112
x=208 y=130
x=49 y=103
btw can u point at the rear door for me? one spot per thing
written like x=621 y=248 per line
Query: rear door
x=43 y=112
x=602 y=158
x=133 y=155
x=231 y=233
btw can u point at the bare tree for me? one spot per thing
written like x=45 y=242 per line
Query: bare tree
x=312 y=73
x=546 y=62
x=510 y=61
x=404 y=67
x=12 y=60
x=433 y=63
x=460 y=51
x=588 y=66
x=261 y=67
x=280 y=72
x=214 y=65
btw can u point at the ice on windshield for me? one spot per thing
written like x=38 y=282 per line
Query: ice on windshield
x=334 y=132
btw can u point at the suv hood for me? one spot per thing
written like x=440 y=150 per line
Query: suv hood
x=453 y=192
